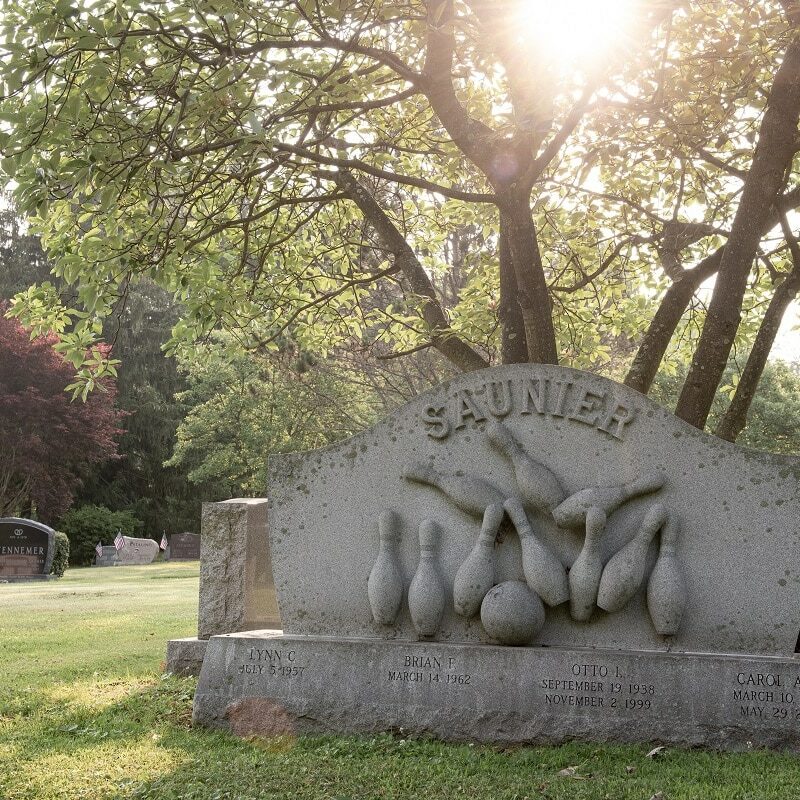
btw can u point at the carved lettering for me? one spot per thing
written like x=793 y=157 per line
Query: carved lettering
x=758 y=679
x=537 y=397
x=271 y=655
x=619 y=418
x=8 y=550
x=591 y=670
x=425 y=662
x=583 y=690
x=759 y=695
x=561 y=399
x=468 y=407
x=555 y=398
x=499 y=407
x=429 y=669
x=438 y=427
x=573 y=700
x=588 y=408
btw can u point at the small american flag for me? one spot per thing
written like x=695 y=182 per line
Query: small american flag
x=119 y=540
x=99 y=550
x=164 y=541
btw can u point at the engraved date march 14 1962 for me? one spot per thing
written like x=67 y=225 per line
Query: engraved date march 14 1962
x=429 y=669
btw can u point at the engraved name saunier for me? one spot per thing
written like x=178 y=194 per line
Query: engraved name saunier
x=544 y=396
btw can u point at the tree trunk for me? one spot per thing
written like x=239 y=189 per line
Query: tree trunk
x=514 y=348
x=662 y=327
x=676 y=300
x=516 y=224
x=735 y=418
x=776 y=146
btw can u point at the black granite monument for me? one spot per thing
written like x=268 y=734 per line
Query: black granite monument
x=183 y=547
x=26 y=549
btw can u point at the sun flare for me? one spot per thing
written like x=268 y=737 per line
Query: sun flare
x=574 y=34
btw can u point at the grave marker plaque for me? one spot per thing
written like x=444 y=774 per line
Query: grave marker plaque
x=526 y=553
x=183 y=547
x=26 y=549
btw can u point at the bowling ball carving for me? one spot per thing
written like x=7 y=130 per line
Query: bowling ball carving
x=512 y=613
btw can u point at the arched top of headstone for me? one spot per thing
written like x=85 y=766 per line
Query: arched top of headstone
x=572 y=398
x=571 y=458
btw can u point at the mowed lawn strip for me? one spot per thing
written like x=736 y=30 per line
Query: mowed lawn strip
x=86 y=713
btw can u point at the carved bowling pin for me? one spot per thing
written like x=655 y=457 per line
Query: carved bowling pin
x=538 y=486
x=468 y=492
x=385 y=584
x=666 y=589
x=624 y=572
x=544 y=573
x=476 y=575
x=572 y=512
x=585 y=573
x=426 y=595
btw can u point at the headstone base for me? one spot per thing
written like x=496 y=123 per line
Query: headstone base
x=185 y=656
x=265 y=683
x=26 y=578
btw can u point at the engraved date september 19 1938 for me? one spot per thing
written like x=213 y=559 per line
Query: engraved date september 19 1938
x=598 y=686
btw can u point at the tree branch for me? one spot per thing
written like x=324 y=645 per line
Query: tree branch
x=677 y=298
x=442 y=336
x=393 y=177
x=474 y=138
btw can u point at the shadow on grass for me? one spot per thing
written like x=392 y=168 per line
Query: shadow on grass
x=386 y=766
x=197 y=764
x=38 y=725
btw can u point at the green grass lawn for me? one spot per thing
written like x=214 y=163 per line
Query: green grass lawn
x=86 y=713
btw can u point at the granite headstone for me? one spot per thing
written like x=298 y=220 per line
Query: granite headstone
x=109 y=558
x=526 y=553
x=26 y=549
x=137 y=551
x=237 y=592
x=183 y=547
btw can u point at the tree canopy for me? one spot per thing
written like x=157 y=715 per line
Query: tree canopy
x=242 y=406
x=48 y=441
x=422 y=174
x=147 y=382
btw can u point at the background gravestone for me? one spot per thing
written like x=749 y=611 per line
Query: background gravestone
x=26 y=549
x=183 y=547
x=137 y=551
x=109 y=557
x=649 y=570
x=237 y=592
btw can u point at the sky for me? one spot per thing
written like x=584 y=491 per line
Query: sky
x=787 y=343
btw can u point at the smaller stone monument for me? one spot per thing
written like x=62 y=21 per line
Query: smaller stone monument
x=109 y=557
x=237 y=592
x=136 y=551
x=26 y=549
x=183 y=547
